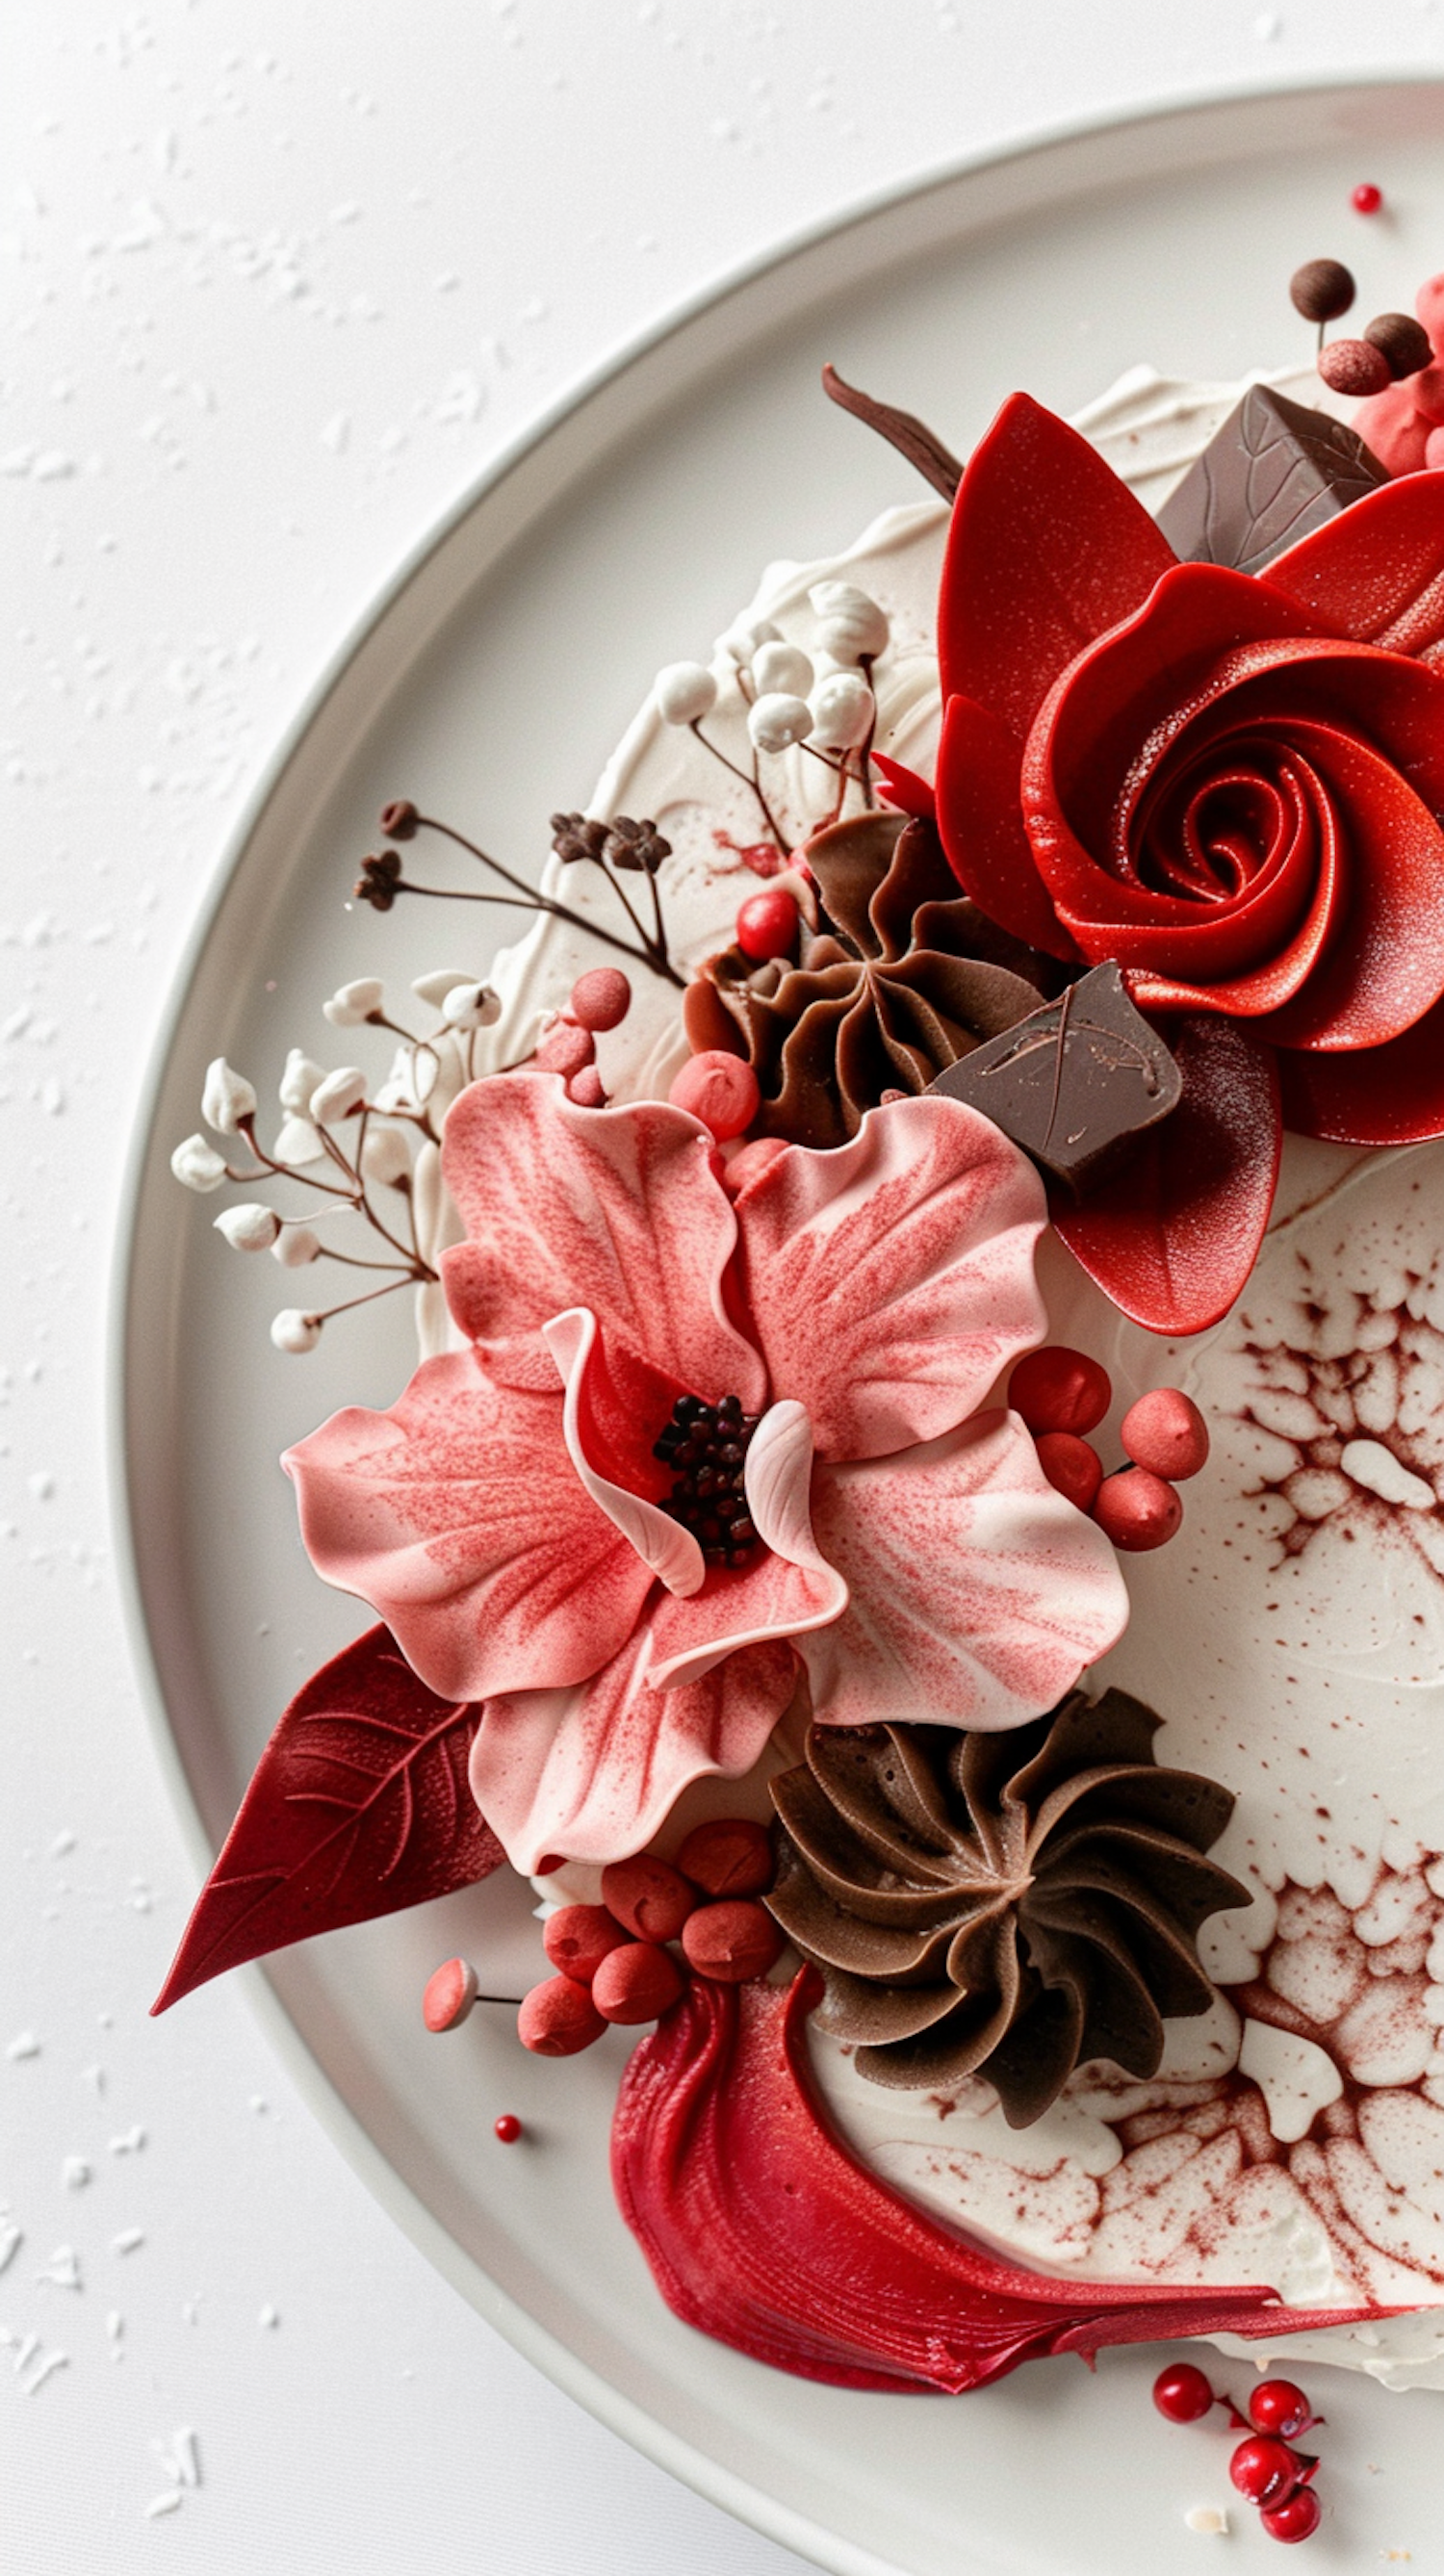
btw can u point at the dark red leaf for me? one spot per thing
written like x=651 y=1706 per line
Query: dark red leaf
x=903 y=788
x=359 y=1806
x=1173 y=1239
x=1383 y=1095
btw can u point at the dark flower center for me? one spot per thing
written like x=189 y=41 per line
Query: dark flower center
x=705 y=1445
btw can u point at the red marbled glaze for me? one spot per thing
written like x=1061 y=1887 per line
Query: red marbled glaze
x=764 y=2232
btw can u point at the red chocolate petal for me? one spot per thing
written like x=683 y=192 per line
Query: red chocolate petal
x=903 y=787
x=1173 y=1239
x=980 y=822
x=1386 y=1095
x=1376 y=572
x=1047 y=550
x=763 y=2231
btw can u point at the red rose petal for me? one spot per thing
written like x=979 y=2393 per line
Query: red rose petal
x=1387 y=1095
x=1173 y=1239
x=903 y=788
x=981 y=824
x=1375 y=572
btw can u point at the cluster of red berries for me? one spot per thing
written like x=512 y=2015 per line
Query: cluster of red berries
x=1265 y=2467
x=599 y=1000
x=1062 y=1395
x=615 y=1962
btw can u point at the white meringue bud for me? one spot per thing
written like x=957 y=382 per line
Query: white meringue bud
x=843 y=709
x=299 y=1081
x=336 y=1097
x=777 y=720
x=250 y=1227
x=294 y=1332
x=685 y=692
x=298 y=1142
x=434 y=988
x=227 y=1098
x=351 y=1004
x=295 y=1245
x=471 y=1006
x=852 y=624
x=197 y=1165
x=386 y=1157
x=783 y=669
x=744 y=635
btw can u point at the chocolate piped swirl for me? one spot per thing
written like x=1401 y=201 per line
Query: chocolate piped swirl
x=901 y=977
x=1008 y=1905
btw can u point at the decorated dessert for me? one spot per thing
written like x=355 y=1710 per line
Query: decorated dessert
x=915 y=1519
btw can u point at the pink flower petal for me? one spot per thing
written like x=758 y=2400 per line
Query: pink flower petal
x=977 y=1594
x=613 y=1209
x=890 y=1281
x=458 y=1515
x=592 y=1395
x=593 y=1772
x=787 y=1589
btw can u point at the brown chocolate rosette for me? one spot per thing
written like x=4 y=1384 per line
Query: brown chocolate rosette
x=901 y=977
x=1008 y=1905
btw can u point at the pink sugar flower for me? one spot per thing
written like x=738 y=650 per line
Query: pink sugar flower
x=509 y=1516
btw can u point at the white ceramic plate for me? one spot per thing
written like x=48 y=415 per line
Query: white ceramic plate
x=493 y=678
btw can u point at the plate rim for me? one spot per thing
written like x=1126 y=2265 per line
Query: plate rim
x=673 y=2451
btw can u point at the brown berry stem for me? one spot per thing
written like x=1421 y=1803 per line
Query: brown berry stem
x=527 y=899
x=751 y=779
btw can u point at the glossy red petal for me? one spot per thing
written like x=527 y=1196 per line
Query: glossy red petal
x=1047 y=549
x=1173 y=1239
x=1388 y=1095
x=1375 y=572
x=763 y=2231
x=980 y=820
x=359 y=1806
x=903 y=788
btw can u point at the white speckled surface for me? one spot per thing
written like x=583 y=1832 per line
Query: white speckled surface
x=280 y=282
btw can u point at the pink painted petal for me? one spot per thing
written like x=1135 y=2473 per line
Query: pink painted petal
x=788 y=1589
x=592 y=1417
x=890 y=1281
x=978 y=1594
x=459 y=1517
x=614 y=1209
x=592 y=1773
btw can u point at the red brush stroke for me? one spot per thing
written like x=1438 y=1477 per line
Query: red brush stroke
x=763 y=2231
x=359 y=1806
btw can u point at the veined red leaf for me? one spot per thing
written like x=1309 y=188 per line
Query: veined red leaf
x=359 y=1806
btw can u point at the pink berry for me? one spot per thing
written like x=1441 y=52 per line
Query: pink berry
x=558 y=2018
x=1182 y=2393
x=1278 y=2406
x=732 y=1941
x=577 y=1938
x=720 y=1089
x=731 y=1856
x=1366 y=199
x=1166 y=1432
x=601 y=998
x=1137 y=1511
x=636 y=1983
x=767 y=924
x=1072 y=1466
x=1056 y=1389
x=1297 y=2518
x=507 y=2127
x=449 y=1994
x=1264 y=2470
x=650 y=1898
x=565 y=1048
x=584 y=1089
x=1354 y=367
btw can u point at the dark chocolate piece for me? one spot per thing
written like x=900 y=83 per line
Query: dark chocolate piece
x=902 y=429
x=1272 y=474
x=1075 y=1083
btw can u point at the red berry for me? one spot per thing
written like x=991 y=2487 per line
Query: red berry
x=558 y=2018
x=767 y=924
x=449 y=1995
x=1264 y=2470
x=1277 y=2406
x=601 y=998
x=636 y=1983
x=720 y=1089
x=1166 y=1432
x=1297 y=2518
x=1182 y=2393
x=648 y=1896
x=1137 y=1511
x=577 y=1938
x=507 y=2128
x=732 y=1941
x=1366 y=198
x=564 y=1049
x=1072 y=1465
x=1056 y=1389
x=1354 y=367
x=731 y=1856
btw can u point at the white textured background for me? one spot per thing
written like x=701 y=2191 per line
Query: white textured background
x=278 y=280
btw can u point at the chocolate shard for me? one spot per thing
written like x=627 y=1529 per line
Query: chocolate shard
x=1076 y=1084
x=902 y=429
x=1272 y=474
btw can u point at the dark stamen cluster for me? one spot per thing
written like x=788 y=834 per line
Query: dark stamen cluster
x=706 y=1445
x=631 y=844
x=377 y=883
